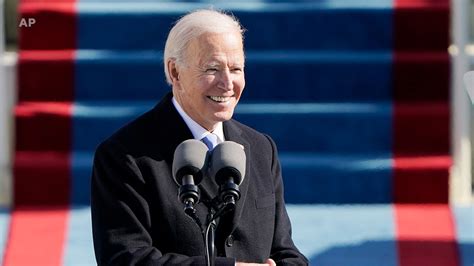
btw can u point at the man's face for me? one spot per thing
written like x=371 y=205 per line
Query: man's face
x=212 y=80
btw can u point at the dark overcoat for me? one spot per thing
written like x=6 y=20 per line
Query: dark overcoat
x=136 y=215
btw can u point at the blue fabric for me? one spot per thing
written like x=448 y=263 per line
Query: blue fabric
x=322 y=69
x=323 y=164
x=321 y=128
x=93 y=122
x=337 y=178
x=271 y=76
x=81 y=171
x=308 y=178
x=210 y=140
x=353 y=25
x=347 y=128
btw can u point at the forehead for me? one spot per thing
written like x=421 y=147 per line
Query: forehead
x=215 y=46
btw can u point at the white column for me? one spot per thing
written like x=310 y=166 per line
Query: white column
x=7 y=100
x=4 y=127
x=460 y=181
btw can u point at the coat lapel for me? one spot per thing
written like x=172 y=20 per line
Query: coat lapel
x=171 y=128
x=233 y=133
x=174 y=131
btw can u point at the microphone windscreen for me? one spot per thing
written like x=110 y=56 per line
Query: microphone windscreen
x=228 y=160
x=190 y=158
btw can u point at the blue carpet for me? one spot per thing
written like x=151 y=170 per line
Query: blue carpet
x=309 y=178
x=320 y=127
x=282 y=75
x=326 y=234
x=464 y=217
x=355 y=25
x=345 y=234
x=79 y=249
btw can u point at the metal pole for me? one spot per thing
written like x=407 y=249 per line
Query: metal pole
x=460 y=181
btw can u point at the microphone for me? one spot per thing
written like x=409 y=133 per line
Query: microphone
x=228 y=162
x=189 y=163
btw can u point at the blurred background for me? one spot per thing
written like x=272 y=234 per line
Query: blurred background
x=379 y=173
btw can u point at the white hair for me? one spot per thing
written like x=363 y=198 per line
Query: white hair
x=191 y=26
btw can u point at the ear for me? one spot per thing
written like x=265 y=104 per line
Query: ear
x=173 y=71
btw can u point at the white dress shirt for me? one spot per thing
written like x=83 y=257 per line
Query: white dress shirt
x=197 y=130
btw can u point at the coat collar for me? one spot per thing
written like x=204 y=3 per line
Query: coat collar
x=172 y=129
x=233 y=133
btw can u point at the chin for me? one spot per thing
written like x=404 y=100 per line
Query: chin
x=228 y=115
x=222 y=118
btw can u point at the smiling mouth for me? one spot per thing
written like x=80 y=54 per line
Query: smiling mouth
x=219 y=99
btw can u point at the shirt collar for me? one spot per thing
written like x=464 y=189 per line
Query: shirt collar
x=197 y=130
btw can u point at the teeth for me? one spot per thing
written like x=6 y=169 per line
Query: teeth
x=220 y=99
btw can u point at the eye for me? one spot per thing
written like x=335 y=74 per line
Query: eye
x=237 y=69
x=211 y=70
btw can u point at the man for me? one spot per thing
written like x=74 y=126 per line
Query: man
x=137 y=218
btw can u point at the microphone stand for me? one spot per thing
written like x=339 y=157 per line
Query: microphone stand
x=210 y=234
x=210 y=239
x=219 y=207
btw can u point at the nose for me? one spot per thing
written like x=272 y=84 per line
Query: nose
x=226 y=81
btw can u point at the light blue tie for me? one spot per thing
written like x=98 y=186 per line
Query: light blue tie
x=210 y=140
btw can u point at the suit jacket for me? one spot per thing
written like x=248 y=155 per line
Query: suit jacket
x=136 y=215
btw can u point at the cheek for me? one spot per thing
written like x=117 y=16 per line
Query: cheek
x=241 y=84
x=206 y=81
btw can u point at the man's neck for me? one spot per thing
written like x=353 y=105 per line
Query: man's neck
x=196 y=129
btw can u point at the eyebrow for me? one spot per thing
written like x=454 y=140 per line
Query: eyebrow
x=212 y=64
x=218 y=64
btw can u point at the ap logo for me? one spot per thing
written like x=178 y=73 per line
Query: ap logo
x=27 y=22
